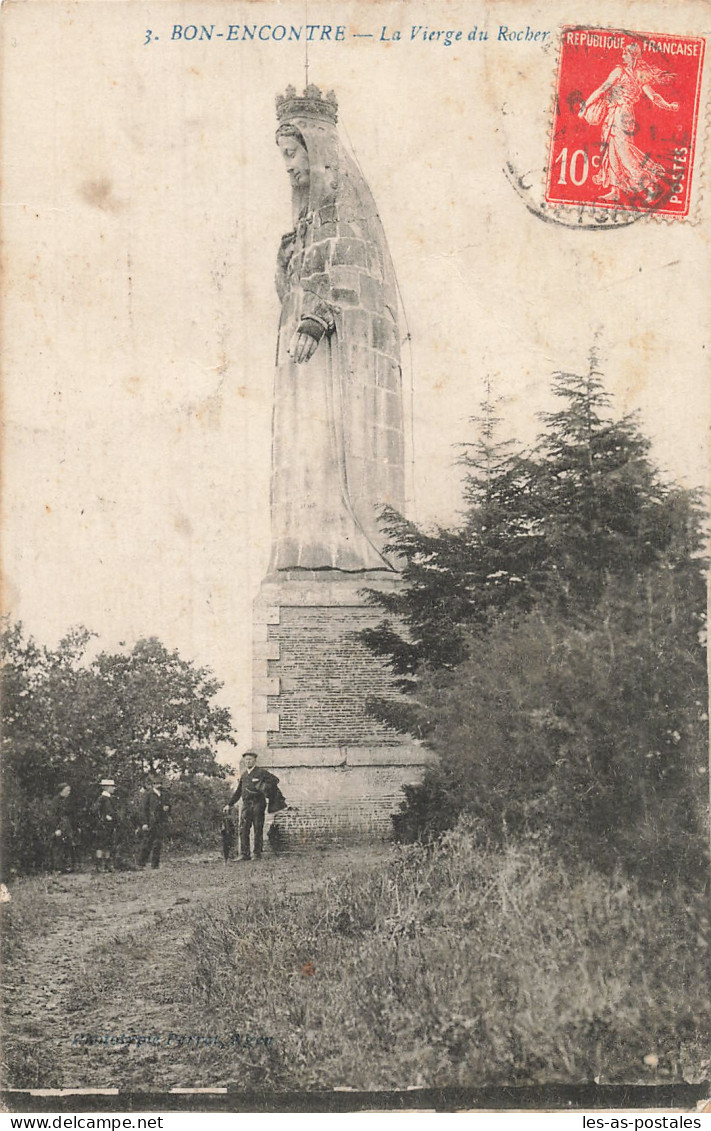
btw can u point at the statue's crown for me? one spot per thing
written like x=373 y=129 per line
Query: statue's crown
x=311 y=104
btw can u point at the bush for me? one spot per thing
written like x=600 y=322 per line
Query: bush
x=428 y=810
x=196 y=808
x=594 y=736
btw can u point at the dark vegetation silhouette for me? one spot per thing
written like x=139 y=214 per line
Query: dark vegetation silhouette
x=551 y=647
x=72 y=717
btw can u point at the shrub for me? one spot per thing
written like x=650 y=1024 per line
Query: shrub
x=592 y=735
x=196 y=808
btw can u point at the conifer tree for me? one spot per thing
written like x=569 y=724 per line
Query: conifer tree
x=598 y=500
x=460 y=577
x=575 y=703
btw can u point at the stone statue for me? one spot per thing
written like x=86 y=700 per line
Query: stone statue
x=338 y=448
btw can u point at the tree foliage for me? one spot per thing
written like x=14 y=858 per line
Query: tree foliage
x=554 y=645
x=69 y=716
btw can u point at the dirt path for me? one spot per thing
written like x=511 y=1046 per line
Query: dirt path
x=98 y=956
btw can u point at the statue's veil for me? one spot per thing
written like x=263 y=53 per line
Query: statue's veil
x=367 y=411
x=336 y=181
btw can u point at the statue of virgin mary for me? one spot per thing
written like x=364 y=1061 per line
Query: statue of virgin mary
x=338 y=446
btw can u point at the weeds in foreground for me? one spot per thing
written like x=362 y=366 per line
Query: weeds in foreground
x=459 y=966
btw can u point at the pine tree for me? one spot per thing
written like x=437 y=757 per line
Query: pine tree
x=503 y=534
x=575 y=703
x=462 y=577
x=598 y=500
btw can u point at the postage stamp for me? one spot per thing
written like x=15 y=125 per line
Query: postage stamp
x=625 y=120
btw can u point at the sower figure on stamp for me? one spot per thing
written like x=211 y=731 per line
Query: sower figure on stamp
x=154 y=812
x=106 y=816
x=63 y=830
x=255 y=788
x=624 y=168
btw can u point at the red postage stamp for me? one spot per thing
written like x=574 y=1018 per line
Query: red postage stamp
x=625 y=121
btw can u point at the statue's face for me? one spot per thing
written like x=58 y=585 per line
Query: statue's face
x=296 y=160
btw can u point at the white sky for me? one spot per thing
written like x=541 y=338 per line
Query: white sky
x=144 y=200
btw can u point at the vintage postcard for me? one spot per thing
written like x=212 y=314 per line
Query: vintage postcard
x=355 y=451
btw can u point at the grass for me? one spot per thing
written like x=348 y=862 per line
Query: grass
x=456 y=966
x=459 y=966
x=23 y=918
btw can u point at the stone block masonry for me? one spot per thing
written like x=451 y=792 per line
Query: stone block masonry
x=341 y=770
x=326 y=676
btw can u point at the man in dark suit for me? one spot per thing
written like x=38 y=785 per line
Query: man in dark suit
x=154 y=814
x=106 y=823
x=254 y=788
x=62 y=819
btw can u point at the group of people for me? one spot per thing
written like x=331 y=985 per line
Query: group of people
x=99 y=829
x=102 y=829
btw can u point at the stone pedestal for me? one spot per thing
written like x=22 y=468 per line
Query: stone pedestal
x=341 y=770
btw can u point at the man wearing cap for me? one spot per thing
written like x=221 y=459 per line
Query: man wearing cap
x=63 y=835
x=254 y=787
x=154 y=812
x=106 y=823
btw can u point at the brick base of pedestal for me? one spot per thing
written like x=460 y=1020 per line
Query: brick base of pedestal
x=341 y=770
